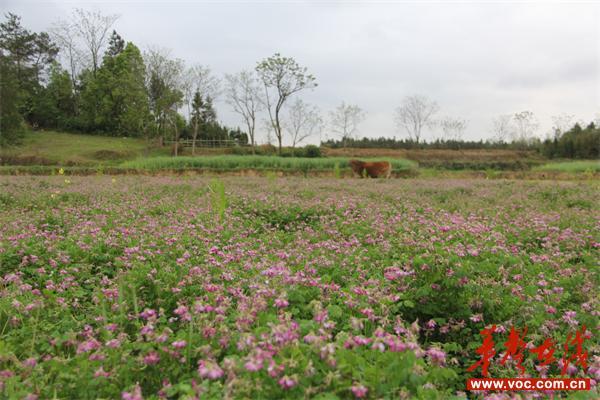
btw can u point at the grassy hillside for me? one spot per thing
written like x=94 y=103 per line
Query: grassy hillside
x=57 y=148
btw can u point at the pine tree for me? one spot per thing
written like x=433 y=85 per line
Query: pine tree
x=198 y=107
x=116 y=45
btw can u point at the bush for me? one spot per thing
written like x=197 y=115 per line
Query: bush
x=312 y=151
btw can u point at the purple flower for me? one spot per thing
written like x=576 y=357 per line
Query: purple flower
x=30 y=362
x=281 y=303
x=431 y=324
x=286 y=382
x=151 y=358
x=209 y=369
x=135 y=395
x=476 y=318
x=436 y=356
x=569 y=318
x=254 y=365
x=359 y=391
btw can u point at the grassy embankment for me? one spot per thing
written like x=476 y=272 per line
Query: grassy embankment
x=67 y=149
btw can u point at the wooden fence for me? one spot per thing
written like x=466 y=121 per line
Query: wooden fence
x=207 y=143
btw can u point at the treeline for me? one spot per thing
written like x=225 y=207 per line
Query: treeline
x=578 y=142
x=575 y=143
x=120 y=94
x=408 y=144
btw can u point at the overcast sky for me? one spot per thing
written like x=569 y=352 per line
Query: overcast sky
x=476 y=59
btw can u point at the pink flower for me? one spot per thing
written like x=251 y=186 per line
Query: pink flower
x=209 y=369
x=476 y=318
x=281 y=303
x=135 y=395
x=113 y=343
x=550 y=310
x=180 y=344
x=286 y=382
x=100 y=372
x=151 y=358
x=569 y=318
x=254 y=365
x=436 y=356
x=87 y=346
x=148 y=313
x=359 y=391
x=30 y=362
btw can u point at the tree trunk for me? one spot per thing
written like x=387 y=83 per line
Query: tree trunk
x=176 y=142
x=251 y=134
x=277 y=126
x=194 y=138
x=279 y=140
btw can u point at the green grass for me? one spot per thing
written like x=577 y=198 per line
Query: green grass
x=572 y=166
x=232 y=162
x=57 y=148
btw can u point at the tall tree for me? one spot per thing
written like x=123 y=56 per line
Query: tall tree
x=526 y=125
x=344 y=120
x=414 y=113
x=165 y=88
x=115 y=101
x=10 y=118
x=198 y=80
x=54 y=105
x=452 y=128
x=243 y=94
x=202 y=114
x=503 y=128
x=93 y=28
x=30 y=52
x=29 y=55
x=64 y=33
x=303 y=121
x=561 y=123
x=282 y=77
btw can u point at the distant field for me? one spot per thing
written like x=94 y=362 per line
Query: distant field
x=229 y=162
x=474 y=159
x=572 y=166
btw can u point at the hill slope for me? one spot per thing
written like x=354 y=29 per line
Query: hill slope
x=58 y=148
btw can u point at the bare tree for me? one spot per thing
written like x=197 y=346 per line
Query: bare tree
x=526 y=125
x=282 y=77
x=243 y=94
x=503 y=128
x=165 y=85
x=93 y=28
x=561 y=123
x=198 y=80
x=65 y=35
x=344 y=120
x=415 y=113
x=452 y=128
x=303 y=120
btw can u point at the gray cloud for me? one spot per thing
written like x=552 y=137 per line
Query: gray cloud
x=477 y=60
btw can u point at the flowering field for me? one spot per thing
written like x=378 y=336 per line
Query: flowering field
x=179 y=287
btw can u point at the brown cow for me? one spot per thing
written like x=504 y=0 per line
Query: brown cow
x=376 y=169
